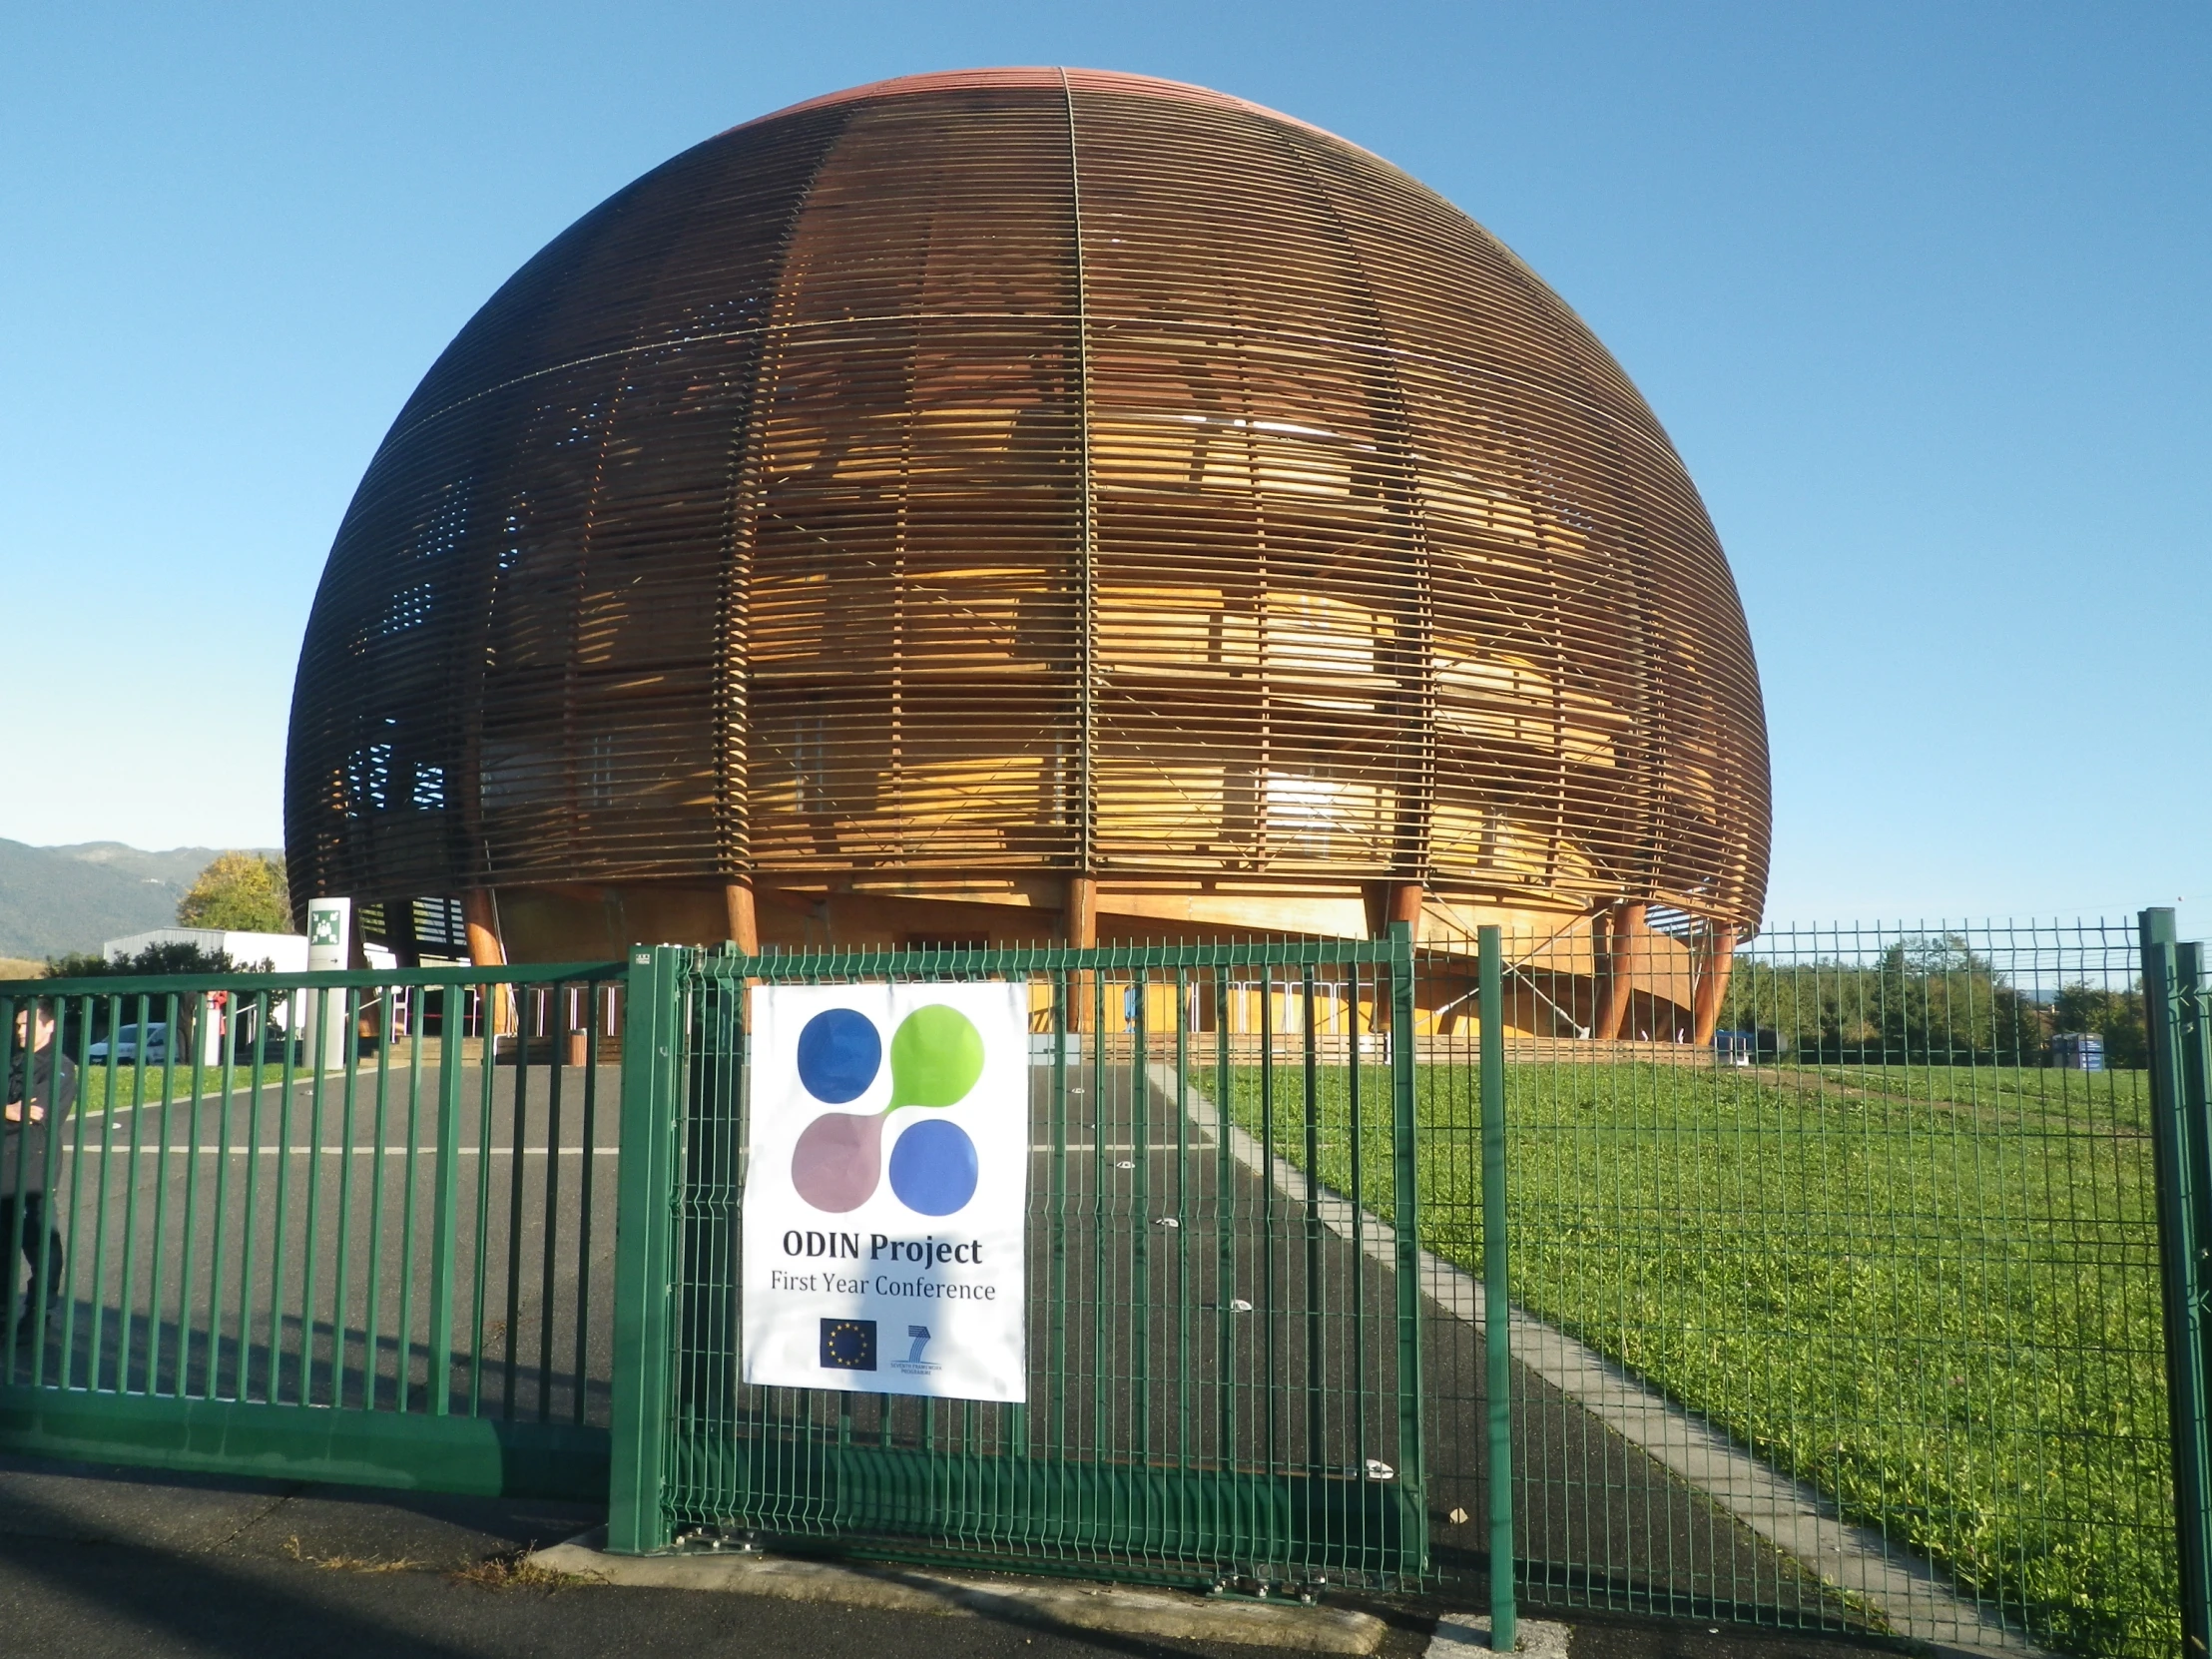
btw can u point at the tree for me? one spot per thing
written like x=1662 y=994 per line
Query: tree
x=2116 y=1016
x=239 y=893
x=153 y=959
x=1925 y=1000
x=1939 y=1003
x=80 y=964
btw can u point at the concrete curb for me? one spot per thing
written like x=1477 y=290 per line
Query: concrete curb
x=1157 y=1614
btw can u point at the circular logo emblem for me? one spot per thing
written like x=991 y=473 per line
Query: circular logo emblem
x=840 y=1054
x=936 y=1059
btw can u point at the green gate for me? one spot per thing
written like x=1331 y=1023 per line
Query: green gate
x=349 y=1227
x=1223 y=1354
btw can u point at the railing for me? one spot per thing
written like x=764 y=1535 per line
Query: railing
x=378 y=1194
x=1856 y=1316
x=2177 y=998
x=1222 y=1372
x=1847 y=1319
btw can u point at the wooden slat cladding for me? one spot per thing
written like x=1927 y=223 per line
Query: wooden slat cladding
x=1016 y=471
x=1260 y=603
x=515 y=667
x=914 y=607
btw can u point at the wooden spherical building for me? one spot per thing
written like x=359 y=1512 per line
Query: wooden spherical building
x=1025 y=504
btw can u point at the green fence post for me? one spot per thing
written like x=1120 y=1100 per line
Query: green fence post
x=2194 y=1064
x=1496 y=1285
x=2172 y=1000
x=444 y=1231
x=645 y=1183
x=1405 y=1201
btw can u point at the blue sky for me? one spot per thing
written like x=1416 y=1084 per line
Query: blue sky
x=1922 y=293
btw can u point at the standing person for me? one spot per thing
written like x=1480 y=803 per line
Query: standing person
x=42 y=1092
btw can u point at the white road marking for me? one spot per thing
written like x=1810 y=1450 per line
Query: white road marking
x=1115 y=1146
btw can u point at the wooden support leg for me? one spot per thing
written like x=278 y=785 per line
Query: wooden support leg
x=1080 y=924
x=1617 y=941
x=744 y=921
x=1715 y=959
x=486 y=950
x=1601 y=969
x=1405 y=903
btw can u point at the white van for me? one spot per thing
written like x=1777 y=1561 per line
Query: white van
x=133 y=1043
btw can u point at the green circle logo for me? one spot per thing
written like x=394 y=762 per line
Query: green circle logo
x=937 y=1057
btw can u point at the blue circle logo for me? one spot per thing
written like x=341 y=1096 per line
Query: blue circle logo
x=933 y=1167
x=839 y=1053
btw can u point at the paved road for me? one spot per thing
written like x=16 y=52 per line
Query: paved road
x=263 y=1243
x=103 y=1563
x=92 y=1565
x=252 y=1239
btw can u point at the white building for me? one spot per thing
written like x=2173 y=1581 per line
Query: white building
x=283 y=953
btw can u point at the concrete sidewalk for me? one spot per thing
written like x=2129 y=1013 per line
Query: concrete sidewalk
x=98 y=1561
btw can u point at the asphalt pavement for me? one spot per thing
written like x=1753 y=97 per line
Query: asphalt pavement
x=106 y=1564
x=98 y=1562
x=232 y=1217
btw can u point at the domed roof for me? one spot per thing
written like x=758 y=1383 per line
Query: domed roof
x=1029 y=470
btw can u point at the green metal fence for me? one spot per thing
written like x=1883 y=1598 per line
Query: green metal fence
x=1848 y=1319
x=1855 y=1316
x=1223 y=1354
x=2178 y=1001
x=343 y=1226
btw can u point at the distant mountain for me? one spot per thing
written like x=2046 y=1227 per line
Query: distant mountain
x=60 y=898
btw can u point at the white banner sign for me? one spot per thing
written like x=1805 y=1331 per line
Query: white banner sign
x=886 y=1189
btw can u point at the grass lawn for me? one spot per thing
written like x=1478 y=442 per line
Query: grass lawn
x=1930 y=1292
x=133 y=1086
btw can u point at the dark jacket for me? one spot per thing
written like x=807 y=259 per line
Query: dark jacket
x=39 y=1168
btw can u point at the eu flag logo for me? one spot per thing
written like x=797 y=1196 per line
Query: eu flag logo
x=849 y=1344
